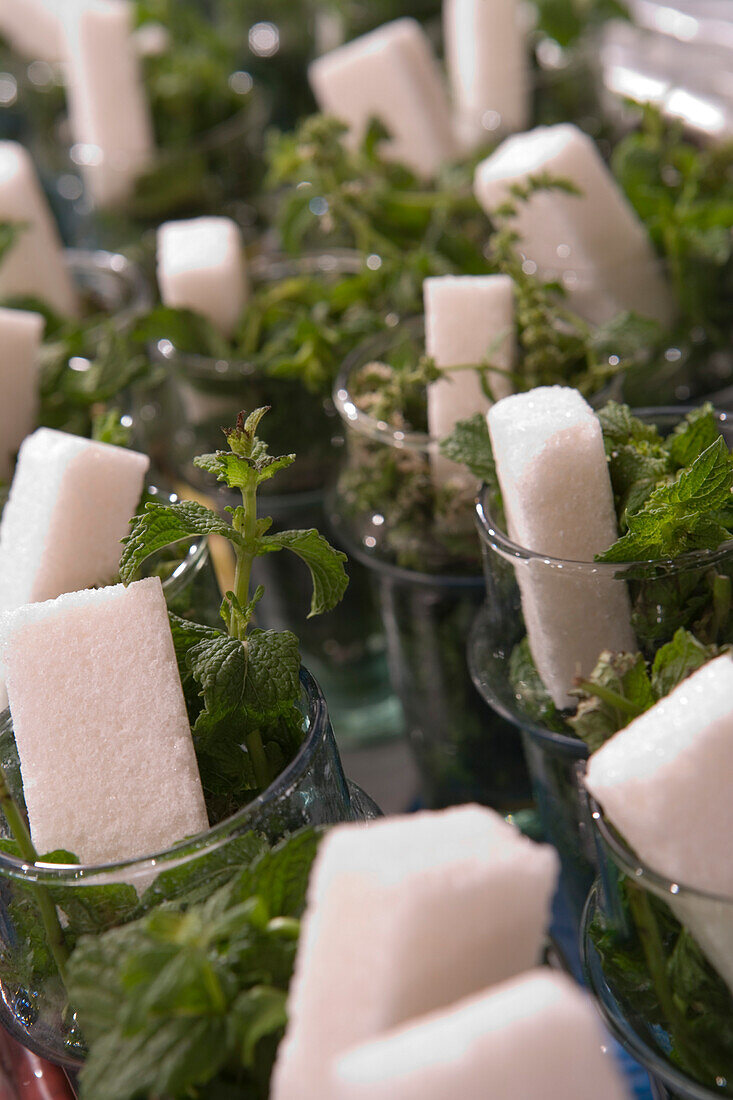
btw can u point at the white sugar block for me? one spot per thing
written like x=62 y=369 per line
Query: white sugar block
x=487 y=56
x=70 y=504
x=106 y=755
x=593 y=242
x=201 y=267
x=536 y=1037
x=21 y=333
x=469 y=319
x=390 y=74
x=109 y=115
x=33 y=28
x=664 y=783
x=412 y=913
x=35 y=265
x=558 y=501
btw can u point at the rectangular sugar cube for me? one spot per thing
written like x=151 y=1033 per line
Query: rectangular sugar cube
x=552 y=469
x=201 y=267
x=487 y=56
x=107 y=760
x=34 y=265
x=21 y=333
x=469 y=319
x=109 y=115
x=70 y=504
x=536 y=1037
x=33 y=28
x=413 y=913
x=592 y=242
x=664 y=784
x=391 y=74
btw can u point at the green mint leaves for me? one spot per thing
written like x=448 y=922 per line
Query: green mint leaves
x=241 y=685
x=673 y=495
x=193 y=992
x=622 y=686
x=469 y=444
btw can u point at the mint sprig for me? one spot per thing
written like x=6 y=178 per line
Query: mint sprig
x=241 y=685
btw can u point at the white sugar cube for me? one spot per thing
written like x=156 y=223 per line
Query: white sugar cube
x=390 y=74
x=109 y=115
x=106 y=754
x=536 y=1037
x=469 y=319
x=34 y=265
x=412 y=913
x=201 y=267
x=33 y=28
x=664 y=783
x=592 y=242
x=487 y=56
x=70 y=504
x=556 y=488
x=20 y=341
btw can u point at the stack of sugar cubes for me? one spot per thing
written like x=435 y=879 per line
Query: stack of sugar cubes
x=392 y=74
x=664 y=784
x=415 y=976
x=90 y=673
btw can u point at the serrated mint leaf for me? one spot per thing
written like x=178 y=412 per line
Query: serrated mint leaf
x=186 y=635
x=162 y=525
x=617 y=691
x=470 y=444
x=326 y=565
x=195 y=880
x=620 y=426
x=693 y=436
x=219 y=665
x=680 y=516
x=280 y=875
x=677 y=660
x=272 y=684
x=234 y=470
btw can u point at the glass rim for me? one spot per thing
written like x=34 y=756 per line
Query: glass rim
x=266 y=267
x=190 y=848
x=364 y=423
x=88 y=261
x=492 y=534
x=610 y=1010
x=640 y=872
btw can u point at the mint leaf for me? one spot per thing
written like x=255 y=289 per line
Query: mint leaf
x=162 y=525
x=693 y=436
x=195 y=880
x=620 y=426
x=617 y=691
x=256 y=1014
x=186 y=635
x=677 y=660
x=326 y=565
x=280 y=876
x=470 y=444
x=272 y=686
x=680 y=516
x=189 y=332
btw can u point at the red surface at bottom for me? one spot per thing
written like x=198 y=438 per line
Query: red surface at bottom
x=25 y=1076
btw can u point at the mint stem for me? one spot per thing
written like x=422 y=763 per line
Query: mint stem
x=259 y=759
x=22 y=837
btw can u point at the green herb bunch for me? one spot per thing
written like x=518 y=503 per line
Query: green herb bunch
x=241 y=684
x=206 y=130
x=329 y=193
